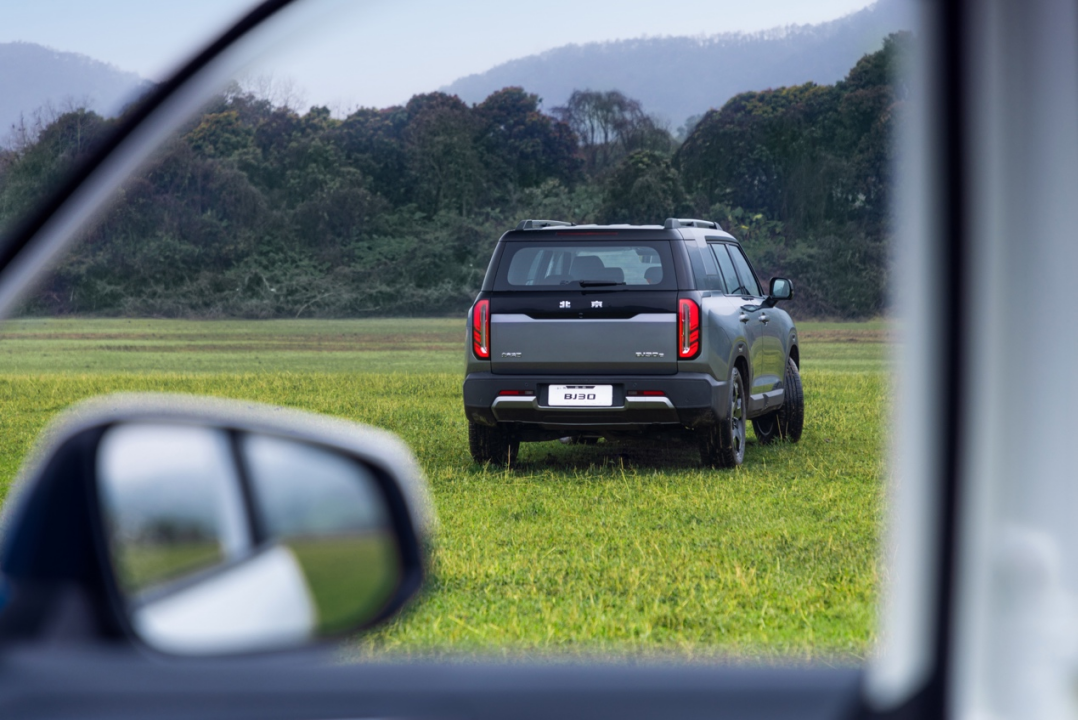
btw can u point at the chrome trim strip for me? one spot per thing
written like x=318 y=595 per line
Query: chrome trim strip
x=648 y=403
x=515 y=403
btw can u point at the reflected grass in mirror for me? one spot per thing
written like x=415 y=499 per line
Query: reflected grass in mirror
x=349 y=577
x=143 y=565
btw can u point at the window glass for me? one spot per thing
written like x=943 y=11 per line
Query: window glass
x=704 y=269
x=69 y=76
x=726 y=266
x=314 y=235
x=548 y=265
x=744 y=272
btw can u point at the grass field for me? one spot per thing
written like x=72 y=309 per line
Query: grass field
x=604 y=550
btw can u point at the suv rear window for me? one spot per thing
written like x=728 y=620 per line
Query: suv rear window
x=543 y=265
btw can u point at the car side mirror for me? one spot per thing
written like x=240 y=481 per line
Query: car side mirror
x=214 y=527
x=781 y=289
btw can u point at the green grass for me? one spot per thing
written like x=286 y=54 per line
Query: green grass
x=604 y=550
x=231 y=346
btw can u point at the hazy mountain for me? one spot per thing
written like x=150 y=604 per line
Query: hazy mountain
x=676 y=77
x=33 y=77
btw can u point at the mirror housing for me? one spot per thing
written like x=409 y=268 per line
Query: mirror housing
x=781 y=289
x=195 y=526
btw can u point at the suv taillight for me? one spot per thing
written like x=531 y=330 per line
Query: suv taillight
x=481 y=329
x=688 y=329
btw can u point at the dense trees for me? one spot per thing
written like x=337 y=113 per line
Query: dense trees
x=643 y=189
x=816 y=159
x=257 y=210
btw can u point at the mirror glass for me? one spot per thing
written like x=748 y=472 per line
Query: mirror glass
x=328 y=510
x=780 y=288
x=226 y=541
x=172 y=502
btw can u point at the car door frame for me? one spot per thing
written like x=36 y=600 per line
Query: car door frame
x=765 y=345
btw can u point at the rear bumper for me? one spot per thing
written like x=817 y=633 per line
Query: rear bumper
x=689 y=399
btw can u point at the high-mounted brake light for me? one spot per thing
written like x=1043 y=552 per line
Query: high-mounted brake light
x=688 y=329
x=481 y=329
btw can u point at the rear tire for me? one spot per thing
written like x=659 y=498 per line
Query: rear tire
x=494 y=445
x=723 y=445
x=788 y=421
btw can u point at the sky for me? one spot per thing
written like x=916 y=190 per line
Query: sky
x=378 y=53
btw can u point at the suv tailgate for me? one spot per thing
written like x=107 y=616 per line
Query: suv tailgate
x=575 y=332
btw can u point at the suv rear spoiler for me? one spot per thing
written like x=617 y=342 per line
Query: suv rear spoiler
x=539 y=224
x=672 y=223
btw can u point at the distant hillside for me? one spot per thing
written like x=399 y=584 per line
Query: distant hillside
x=677 y=77
x=33 y=76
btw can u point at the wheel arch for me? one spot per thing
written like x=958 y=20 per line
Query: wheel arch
x=740 y=360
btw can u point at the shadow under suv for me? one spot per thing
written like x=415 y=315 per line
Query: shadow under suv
x=628 y=332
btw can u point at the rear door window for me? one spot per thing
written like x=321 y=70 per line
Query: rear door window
x=549 y=265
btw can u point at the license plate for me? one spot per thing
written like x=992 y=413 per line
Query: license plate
x=580 y=396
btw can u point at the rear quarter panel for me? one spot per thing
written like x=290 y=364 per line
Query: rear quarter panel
x=722 y=335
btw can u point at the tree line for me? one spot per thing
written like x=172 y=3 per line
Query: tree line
x=256 y=210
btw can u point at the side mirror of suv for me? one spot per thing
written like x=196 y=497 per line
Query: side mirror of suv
x=203 y=527
x=781 y=289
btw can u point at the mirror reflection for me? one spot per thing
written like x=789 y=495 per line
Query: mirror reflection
x=171 y=501
x=327 y=509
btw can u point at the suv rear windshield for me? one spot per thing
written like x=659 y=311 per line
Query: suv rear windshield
x=548 y=265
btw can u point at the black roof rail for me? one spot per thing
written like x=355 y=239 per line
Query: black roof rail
x=672 y=223
x=537 y=224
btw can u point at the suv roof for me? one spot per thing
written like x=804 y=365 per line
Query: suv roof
x=669 y=224
x=675 y=227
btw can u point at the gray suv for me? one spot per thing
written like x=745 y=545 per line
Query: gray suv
x=643 y=332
